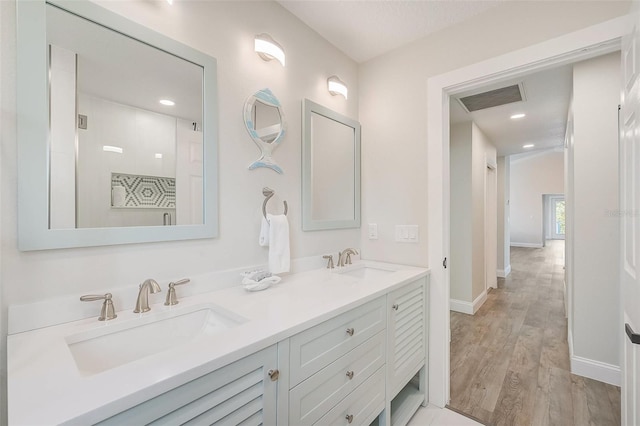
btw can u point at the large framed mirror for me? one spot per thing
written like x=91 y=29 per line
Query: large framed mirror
x=117 y=131
x=330 y=169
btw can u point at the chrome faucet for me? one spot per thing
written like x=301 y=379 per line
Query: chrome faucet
x=148 y=286
x=344 y=257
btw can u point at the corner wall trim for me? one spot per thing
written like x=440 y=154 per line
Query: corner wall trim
x=468 y=307
x=528 y=245
x=593 y=369
x=504 y=273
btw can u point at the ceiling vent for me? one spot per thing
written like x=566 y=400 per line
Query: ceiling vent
x=493 y=98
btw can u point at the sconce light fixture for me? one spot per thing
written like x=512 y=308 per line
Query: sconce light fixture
x=337 y=86
x=267 y=48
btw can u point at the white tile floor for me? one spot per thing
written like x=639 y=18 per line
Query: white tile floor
x=435 y=416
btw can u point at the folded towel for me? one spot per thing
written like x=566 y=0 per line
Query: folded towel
x=279 y=254
x=263 y=241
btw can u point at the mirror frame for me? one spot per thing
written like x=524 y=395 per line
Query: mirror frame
x=308 y=223
x=33 y=133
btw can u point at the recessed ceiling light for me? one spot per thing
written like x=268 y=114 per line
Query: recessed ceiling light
x=516 y=116
x=167 y=102
x=158 y=155
x=529 y=145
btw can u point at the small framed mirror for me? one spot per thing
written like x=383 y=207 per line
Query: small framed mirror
x=117 y=131
x=330 y=169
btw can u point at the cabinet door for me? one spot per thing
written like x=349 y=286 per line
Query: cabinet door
x=406 y=334
x=239 y=393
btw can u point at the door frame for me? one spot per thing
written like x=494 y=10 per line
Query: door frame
x=569 y=48
x=490 y=226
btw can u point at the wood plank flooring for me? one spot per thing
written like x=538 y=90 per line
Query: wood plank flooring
x=510 y=361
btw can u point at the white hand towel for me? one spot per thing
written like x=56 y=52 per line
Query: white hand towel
x=263 y=241
x=279 y=254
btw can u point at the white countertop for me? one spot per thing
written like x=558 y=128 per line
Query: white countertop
x=46 y=387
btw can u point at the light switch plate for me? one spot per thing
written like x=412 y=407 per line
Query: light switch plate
x=407 y=233
x=373 y=231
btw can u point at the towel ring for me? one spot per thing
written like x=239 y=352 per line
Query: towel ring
x=268 y=193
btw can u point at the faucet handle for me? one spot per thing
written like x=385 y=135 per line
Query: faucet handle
x=107 y=312
x=330 y=260
x=172 y=299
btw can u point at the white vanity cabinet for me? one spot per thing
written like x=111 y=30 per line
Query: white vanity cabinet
x=406 y=357
x=350 y=351
x=239 y=393
x=336 y=373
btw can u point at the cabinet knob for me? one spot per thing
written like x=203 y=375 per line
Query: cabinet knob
x=349 y=418
x=350 y=374
x=395 y=306
x=350 y=331
x=273 y=375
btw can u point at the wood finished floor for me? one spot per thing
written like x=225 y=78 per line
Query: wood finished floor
x=510 y=361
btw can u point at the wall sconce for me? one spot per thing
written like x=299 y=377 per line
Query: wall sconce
x=267 y=48
x=337 y=86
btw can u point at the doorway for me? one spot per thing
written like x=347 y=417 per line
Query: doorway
x=554 y=225
x=587 y=43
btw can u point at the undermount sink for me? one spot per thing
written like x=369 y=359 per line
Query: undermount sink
x=366 y=272
x=102 y=349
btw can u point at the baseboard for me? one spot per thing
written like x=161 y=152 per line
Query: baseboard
x=504 y=273
x=468 y=307
x=461 y=306
x=596 y=370
x=527 y=245
x=479 y=301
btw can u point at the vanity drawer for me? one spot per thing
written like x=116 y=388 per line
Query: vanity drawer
x=319 y=346
x=361 y=407
x=315 y=396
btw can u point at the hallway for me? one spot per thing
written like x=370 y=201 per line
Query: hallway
x=510 y=361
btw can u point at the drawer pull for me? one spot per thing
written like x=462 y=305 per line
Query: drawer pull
x=273 y=375
x=350 y=331
x=349 y=418
x=350 y=374
x=395 y=306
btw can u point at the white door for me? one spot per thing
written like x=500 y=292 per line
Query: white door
x=630 y=225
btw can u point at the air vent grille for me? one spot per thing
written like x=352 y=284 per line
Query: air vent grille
x=492 y=98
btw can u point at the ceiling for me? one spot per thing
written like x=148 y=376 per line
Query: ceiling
x=546 y=106
x=364 y=29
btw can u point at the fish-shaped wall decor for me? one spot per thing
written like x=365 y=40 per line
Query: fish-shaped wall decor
x=264 y=119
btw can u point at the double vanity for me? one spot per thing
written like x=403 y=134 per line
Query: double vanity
x=343 y=346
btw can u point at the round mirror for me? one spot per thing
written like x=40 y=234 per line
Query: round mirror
x=264 y=119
